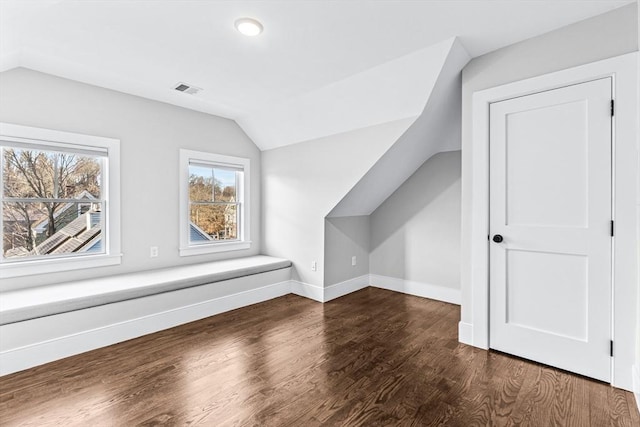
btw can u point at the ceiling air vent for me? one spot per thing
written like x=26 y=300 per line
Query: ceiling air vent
x=185 y=88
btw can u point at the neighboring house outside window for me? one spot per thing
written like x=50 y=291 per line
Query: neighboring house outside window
x=60 y=202
x=214 y=203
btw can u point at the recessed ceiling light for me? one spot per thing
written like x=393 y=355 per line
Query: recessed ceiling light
x=249 y=26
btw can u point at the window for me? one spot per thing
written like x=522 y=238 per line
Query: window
x=214 y=203
x=59 y=203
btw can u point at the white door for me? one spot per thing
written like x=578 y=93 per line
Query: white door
x=550 y=201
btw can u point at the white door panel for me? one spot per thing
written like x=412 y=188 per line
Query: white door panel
x=555 y=145
x=550 y=200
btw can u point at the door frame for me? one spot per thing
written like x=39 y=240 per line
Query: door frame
x=626 y=197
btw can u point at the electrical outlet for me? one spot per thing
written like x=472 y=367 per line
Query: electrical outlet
x=153 y=251
x=314 y=266
x=354 y=261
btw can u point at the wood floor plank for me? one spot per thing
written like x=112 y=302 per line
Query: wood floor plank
x=372 y=358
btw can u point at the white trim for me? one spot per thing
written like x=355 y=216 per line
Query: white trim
x=38 y=353
x=209 y=248
x=419 y=289
x=636 y=384
x=69 y=139
x=328 y=293
x=465 y=333
x=242 y=195
x=623 y=70
x=111 y=190
x=41 y=266
x=338 y=290
x=307 y=290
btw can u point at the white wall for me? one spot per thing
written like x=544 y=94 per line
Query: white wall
x=637 y=363
x=301 y=183
x=344 y=238
x=415 y=233
x=604 y=36
x=150 y=133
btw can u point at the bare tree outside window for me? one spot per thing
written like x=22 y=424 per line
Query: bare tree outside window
x=213 y=205
x=44 y=192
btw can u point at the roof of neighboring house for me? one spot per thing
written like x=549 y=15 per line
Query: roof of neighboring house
x=77 y=237
x=41 y=224
x=197 y=234
x=80 y=235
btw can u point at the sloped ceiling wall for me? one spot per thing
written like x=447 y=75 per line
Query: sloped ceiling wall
x=395 y=90
x=437 y=129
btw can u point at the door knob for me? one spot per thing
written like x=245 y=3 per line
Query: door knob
x=497 y=238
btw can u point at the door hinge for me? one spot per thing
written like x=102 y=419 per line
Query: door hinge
x=611 y=348
x=612 y=228
x=612 y=108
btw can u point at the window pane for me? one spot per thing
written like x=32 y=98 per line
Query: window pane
x=200 y=184
x=213 y=222
x=51 y=229
x=48 y=174
x=226 y=185
x=211 y=184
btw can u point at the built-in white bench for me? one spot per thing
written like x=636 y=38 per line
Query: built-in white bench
x=25 y=304
x=51 y=322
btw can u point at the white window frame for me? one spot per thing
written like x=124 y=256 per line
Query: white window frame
x=110 y=187
x=242 y=195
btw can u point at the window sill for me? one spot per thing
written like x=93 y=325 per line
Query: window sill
x=214 y=248
x=44 y=266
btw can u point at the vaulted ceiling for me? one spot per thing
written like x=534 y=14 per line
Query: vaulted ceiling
x=319 y=67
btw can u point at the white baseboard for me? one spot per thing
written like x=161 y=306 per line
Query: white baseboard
x=38 y=353
x=327 y=293
x=425 y=290
x=307 y=290
x=343 y=288
x=636 y=384
x=465 y=333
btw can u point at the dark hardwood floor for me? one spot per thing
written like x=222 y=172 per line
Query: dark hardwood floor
x=371 y=358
